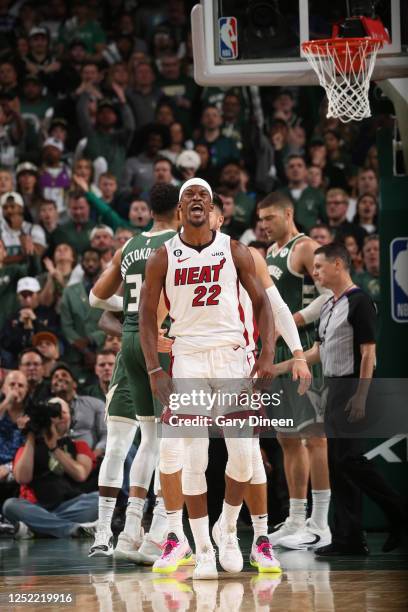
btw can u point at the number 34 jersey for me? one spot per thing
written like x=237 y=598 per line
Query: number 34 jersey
x=202 y=295
x=135 y=254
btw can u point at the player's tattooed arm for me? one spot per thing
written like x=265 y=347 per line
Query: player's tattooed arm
x=155 y=277
x=245 y=266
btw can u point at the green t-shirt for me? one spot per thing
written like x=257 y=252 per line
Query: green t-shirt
x=309 y=207
x=244 y=208
x=90 y=33
x=135 y=253
x=77 y=236
x=368 y=283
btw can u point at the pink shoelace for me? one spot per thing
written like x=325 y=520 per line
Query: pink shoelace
x=168 y=547
x=265 y=549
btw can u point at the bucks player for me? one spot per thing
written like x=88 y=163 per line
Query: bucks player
x=290 y=264
x=129 y=399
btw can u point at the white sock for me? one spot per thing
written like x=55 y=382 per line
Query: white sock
x=175 y=523
x=201 y=533
x=229 y=516
x=106 y=506
x=320 y=509
x=260 y=525
x=134 y=515
x=159 y=526
x=297 y=509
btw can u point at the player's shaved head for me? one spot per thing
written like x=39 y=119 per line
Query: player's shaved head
x=277 y=199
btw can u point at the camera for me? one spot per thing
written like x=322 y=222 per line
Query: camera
x=41 y=413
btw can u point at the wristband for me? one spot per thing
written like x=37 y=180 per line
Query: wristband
x=154 y=371
x=300 y=359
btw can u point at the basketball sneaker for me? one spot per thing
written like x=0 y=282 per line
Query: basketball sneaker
x=127 y=547
x=287 y=528
x=174 y=553
x=263 y=558
x=148 y=552
x=229 y=553
x=206 y=565
x=103 y=544
x=310 y=537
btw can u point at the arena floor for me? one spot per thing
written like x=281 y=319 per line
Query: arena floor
x=373 y=584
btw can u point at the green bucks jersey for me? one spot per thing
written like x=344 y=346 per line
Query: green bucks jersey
x=135 y=253
x=296 y=289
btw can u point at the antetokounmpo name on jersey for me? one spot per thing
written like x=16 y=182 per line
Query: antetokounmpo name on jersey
x=132 y=257
x=197 y=275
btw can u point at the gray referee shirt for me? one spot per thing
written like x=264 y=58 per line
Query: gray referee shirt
x=344 y=325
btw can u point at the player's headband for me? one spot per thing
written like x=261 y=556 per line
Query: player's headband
x=195 y=181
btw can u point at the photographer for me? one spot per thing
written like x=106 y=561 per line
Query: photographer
x=50 y=468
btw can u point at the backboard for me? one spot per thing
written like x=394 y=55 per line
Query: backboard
x=257 y=42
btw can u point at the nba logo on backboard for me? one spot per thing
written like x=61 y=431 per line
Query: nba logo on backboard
x=399 y=279
x=228 y=38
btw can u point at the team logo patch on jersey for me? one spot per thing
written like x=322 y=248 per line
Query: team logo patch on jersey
x=177 y=252
x=284 y=252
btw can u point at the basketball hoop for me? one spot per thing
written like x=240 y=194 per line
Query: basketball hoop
x=344 y=65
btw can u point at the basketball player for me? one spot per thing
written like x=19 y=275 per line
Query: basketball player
x=129 y=398
x=199 y=271
x=290 y=264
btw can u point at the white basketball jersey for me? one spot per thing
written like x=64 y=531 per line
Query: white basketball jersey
x=202 y=295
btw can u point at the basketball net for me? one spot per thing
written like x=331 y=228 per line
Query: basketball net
x=344 y=67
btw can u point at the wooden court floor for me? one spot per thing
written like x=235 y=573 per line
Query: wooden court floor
x=61 y=569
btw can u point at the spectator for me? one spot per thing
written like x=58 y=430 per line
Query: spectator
x=143 y=93
x=6 y=181
x=371 y=161
x=179 y=88
x=108 y=187
x=188 y=162
x=138 y=174
x=176 y=146
x=333 y=176
x=107 y=136
x=82 y=27
x=14 y=392
x=58 y=130
x=30 y=363
x=102 y=241
x=122 y=235
x=83 y=168
x=283 y=106
x=321 y=234
x=46 y=343
x=9 y=275
x=369 y=279
x=79 y=321
x=34 y=102
x=112 y=343
x=59 y=272
x=366 y=214
x=55 y=179
x=39 y=61
x=165 y=113
x=336 y=210
x=315 y=177
x=48 y=218
x=12 y=129
x=230 y=226
x=8 y=78
x=367 y=182
x=76 y=231
x=354 y=251
x=335 y=152
x=221 y=148
x=29 y=189
x=105 y=363
x=233 y=124
x=308 y=202
x=20 y=237
x=140 y=215
x=270 y=152
x=206 y=169
x=19 y=329
x=255 y=234
x=230 y=179
x=163 y=171
x=50 y=468
x=88 y=412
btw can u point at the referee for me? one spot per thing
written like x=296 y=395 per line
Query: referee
x=345 y=346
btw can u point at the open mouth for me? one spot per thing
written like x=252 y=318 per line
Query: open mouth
x=197 y=208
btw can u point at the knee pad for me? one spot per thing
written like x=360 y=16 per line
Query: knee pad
x=195 y=464
x=145 y=461
x=258 y=468
x=171 y=455
x=239 y=464
x=119 y=440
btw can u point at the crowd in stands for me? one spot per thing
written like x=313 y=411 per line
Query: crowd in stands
x=98 y=104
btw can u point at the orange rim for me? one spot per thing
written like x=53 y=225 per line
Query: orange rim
x=323 y=46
